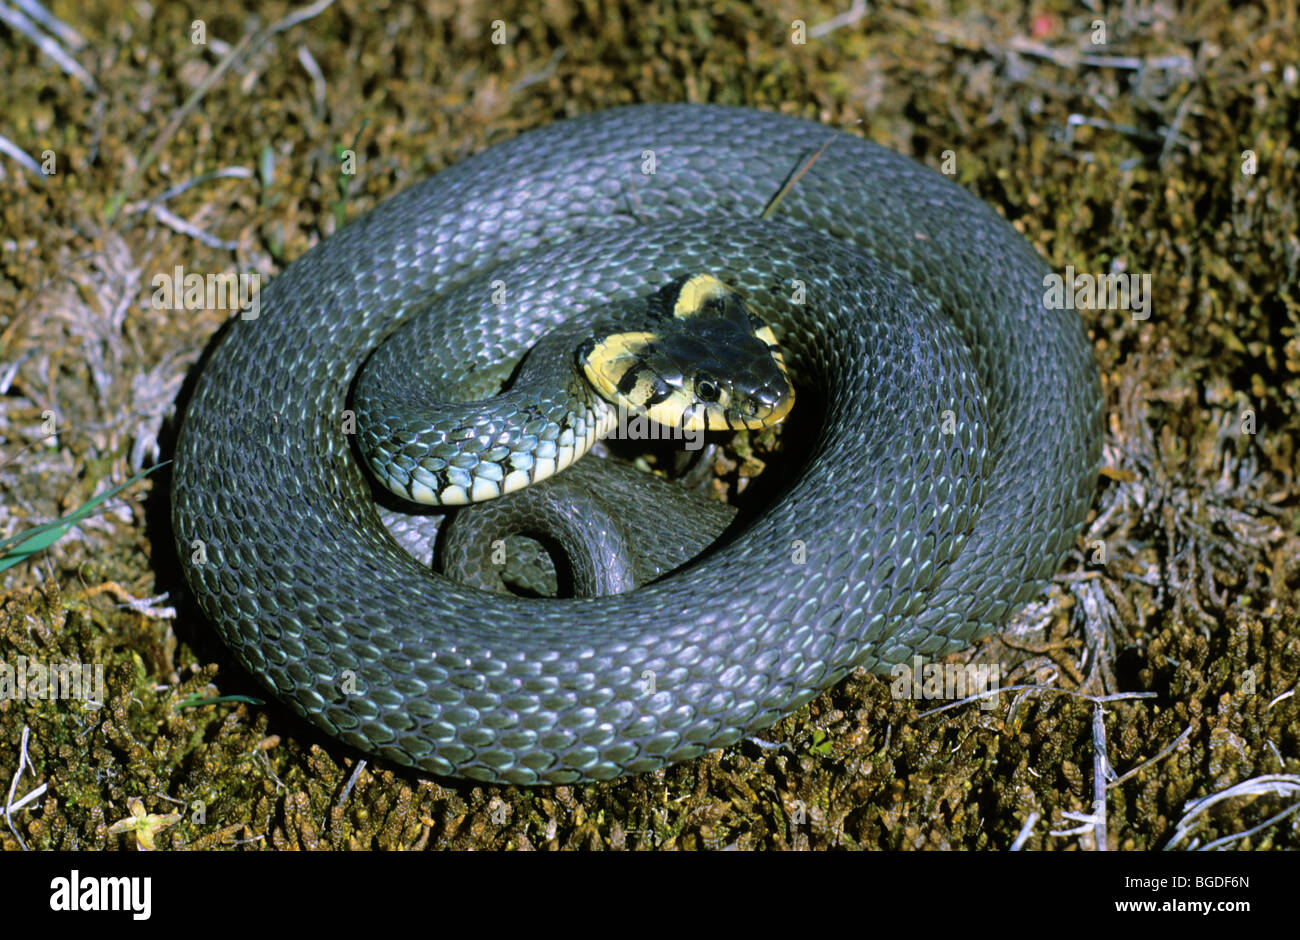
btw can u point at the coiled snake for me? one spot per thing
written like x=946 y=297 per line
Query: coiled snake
x=951 y=468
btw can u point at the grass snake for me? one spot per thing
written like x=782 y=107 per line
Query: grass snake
x=955 y=428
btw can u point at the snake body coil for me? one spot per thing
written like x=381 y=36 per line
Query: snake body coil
x=956 y=457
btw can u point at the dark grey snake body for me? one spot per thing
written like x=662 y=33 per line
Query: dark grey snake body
x=956 y=458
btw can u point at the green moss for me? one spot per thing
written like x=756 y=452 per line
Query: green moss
x=1201 y=575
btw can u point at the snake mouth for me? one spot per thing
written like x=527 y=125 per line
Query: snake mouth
x=705 y=362
x=755 y=414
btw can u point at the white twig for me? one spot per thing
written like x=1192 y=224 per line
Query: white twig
x=176 y=223
x=1088 y=824
x=318 y=86
x=21 y=157
x=850 y=16
x=24 y=800
x=1102 y=773
x=542 y=74
x=1147 y=763
x=1276 y=817
x=352 y=781
x=1069 y=58
x=148 y=606
x=297 y=16
x=67 y=35
x=19 y=23
x=10 y=805
x=1115 y=697
x=225 y=172
x=1268 y=784
x=1025 y=831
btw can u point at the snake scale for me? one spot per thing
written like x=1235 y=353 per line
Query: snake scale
x=954 y=454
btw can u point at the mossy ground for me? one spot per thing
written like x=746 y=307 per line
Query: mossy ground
x=1130 y=155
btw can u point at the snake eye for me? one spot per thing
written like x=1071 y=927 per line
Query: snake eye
x=706 y=389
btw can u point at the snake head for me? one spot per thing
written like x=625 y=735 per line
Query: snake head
x=708 y=365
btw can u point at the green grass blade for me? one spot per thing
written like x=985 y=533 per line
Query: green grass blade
x=18 y=548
